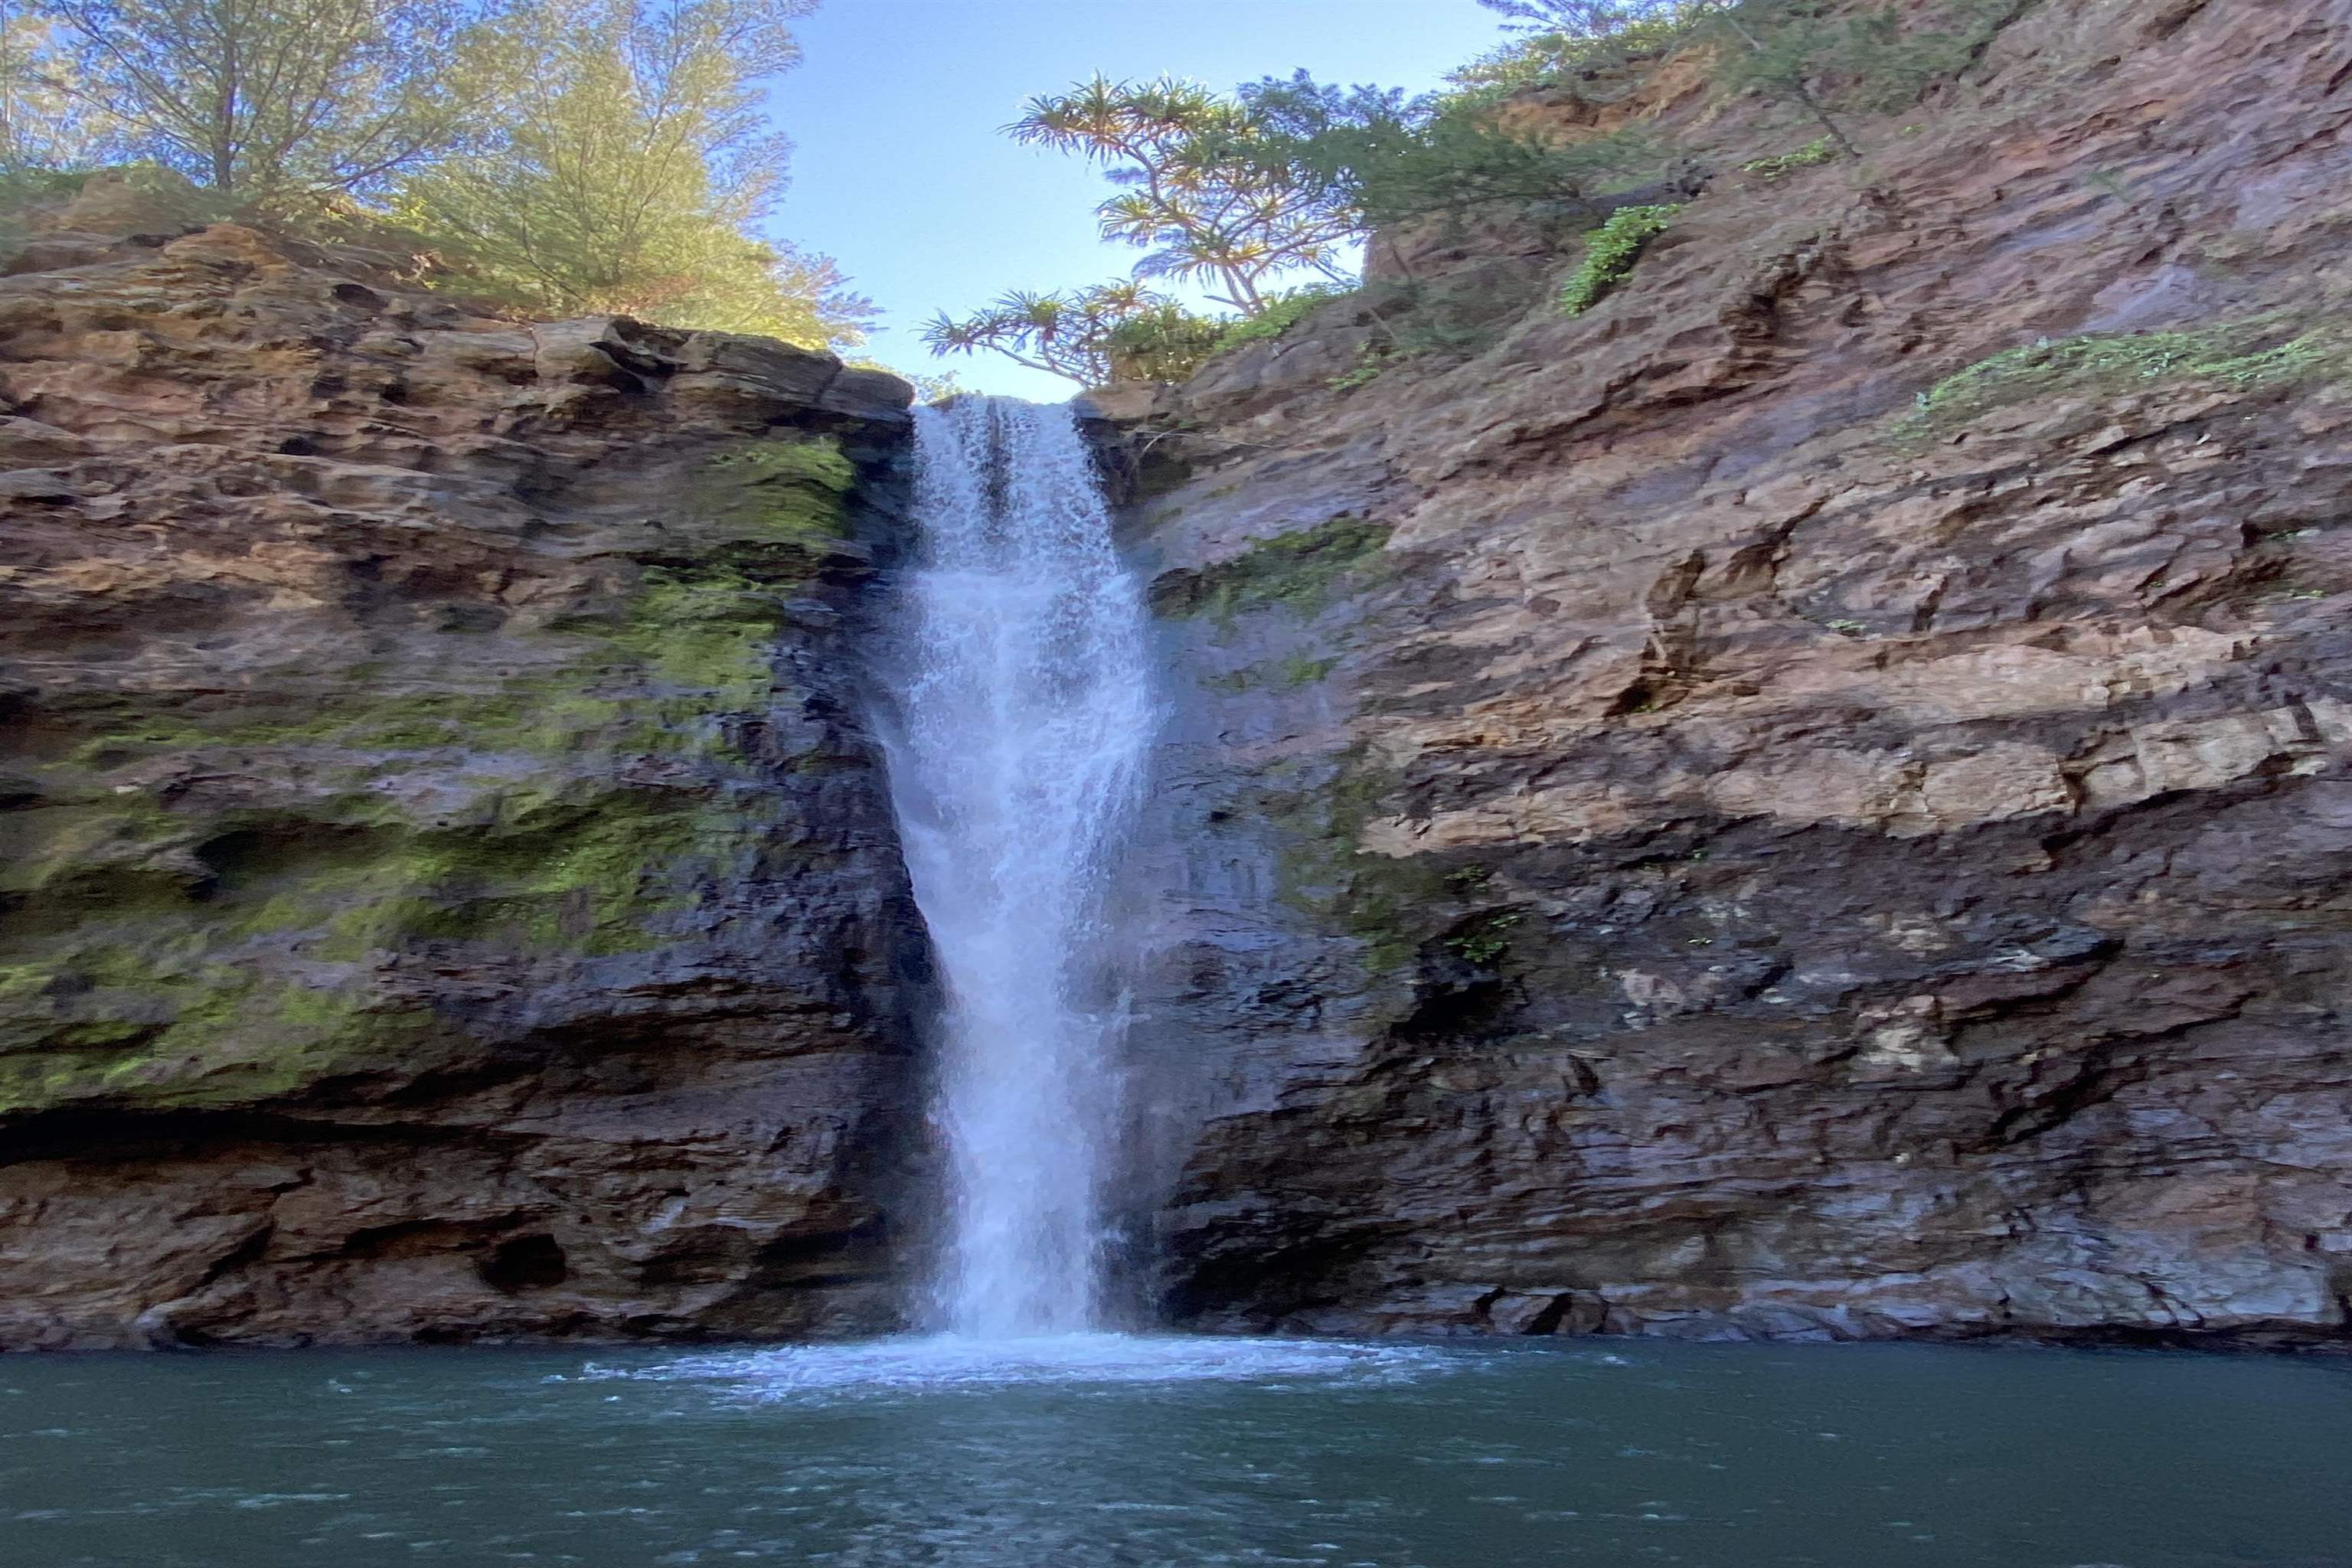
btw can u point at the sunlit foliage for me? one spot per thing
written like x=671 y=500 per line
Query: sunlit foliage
x=630 y=164
x=277 y=102
x=1194 y=192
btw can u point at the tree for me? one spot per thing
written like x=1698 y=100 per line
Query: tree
x=1389 y=159
x=633 y=162
x=1066 y=334
x=1560 y=38
x=1823 y=56
x=1581 y=18
x=1194 y=192
x=44 y=127
x=277 y=100
x=1778 y=48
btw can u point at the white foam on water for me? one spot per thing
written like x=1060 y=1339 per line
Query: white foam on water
x=957 y=1364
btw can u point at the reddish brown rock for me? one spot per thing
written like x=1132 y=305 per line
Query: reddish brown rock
x=1811 y=799
x=446 y=886
x=1712 y=817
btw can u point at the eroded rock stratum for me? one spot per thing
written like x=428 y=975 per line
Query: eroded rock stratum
x=1812 y=797
x=445 y=885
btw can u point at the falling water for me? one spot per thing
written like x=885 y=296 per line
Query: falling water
x=1027 y=709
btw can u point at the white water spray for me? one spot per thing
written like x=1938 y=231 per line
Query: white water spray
x=1015 y=767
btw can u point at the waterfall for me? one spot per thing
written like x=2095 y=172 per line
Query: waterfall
x=1015 y=761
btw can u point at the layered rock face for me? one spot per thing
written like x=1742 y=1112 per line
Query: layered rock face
x=1812 y=798
x=446 y=886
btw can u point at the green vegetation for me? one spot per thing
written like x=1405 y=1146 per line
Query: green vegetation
x=1610 y=253
x=173 y=954
x=779 y=491
x=1069 y=334
x=264 y=985
x=1821 y=57
x=1486 y=939
x=281 y=105
x=1370 y=361
x=1234 y=192
x=1282 y=312
x=1289 y=673
x=559 y=156
x=2233 y=356
x=1393 y=905
x=1116 y=331
x=46 y=135
x=1819 y=150
x=1294 y=571
x=1375 y=898
x=1391 y=160
x=1165 y=342
x=1195 y=194
x=1200 y=194
x=629 y=168
x=1560 y=44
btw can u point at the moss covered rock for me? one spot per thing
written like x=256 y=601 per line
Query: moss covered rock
x=423 y=731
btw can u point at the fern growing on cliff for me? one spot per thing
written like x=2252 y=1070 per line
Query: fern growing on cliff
x=1610 y=253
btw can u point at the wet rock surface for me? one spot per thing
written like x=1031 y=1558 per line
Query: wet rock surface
x=1811 y=799
x=446 y=889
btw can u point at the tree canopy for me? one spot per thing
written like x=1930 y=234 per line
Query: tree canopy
x=630 y=165
x=279 y=100
x=559 y=155
x=1067 y=333
x=1388 y=158
x=46 y=127
x=1195 y=193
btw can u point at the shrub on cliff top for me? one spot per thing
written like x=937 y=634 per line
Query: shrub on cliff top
x=1559 y=38
x=1166 y=342
x=563 y=156
x=1824 y=56
x=1281 y=314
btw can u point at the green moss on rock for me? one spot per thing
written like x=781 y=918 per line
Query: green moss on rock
x=783 y=490
x=564 y=799
x=1297 y=572
x=1390 y=904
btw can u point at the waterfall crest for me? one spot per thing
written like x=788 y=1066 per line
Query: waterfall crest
x=1026 y=713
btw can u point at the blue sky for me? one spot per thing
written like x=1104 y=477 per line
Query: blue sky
x=900 y=176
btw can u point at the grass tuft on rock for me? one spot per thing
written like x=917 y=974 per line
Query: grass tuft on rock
x=2234 y=356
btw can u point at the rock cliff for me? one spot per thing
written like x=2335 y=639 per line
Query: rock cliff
x=1812 y=797
x=446 y=886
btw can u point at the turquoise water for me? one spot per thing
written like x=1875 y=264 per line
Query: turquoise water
x=1106 y=1453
